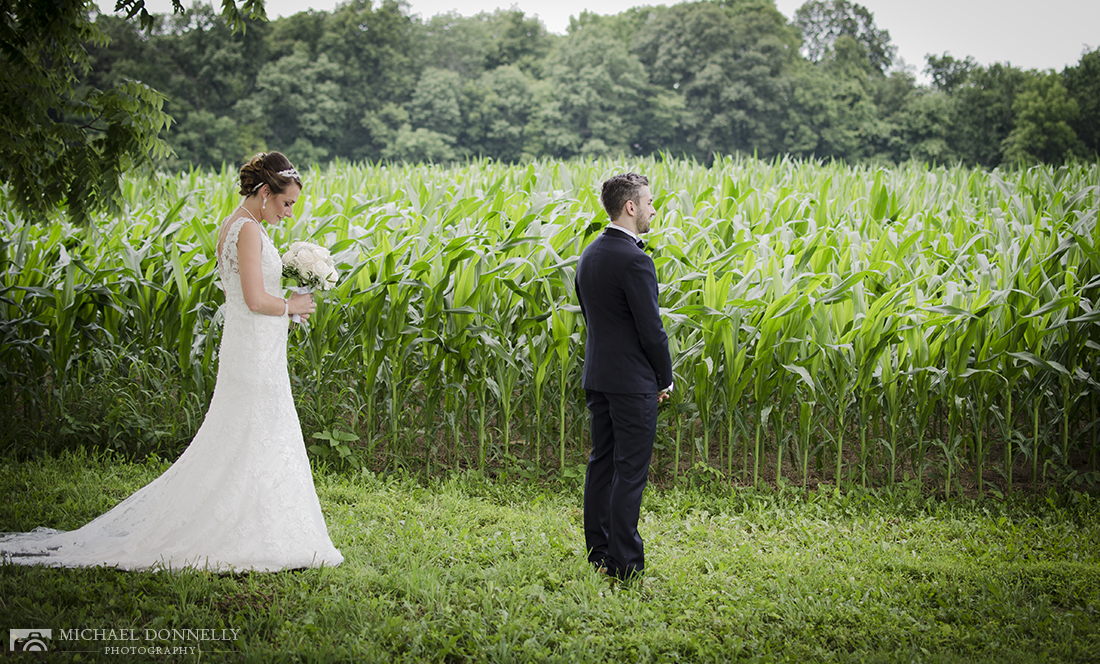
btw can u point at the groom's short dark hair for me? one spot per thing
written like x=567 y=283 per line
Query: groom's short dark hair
x=619 y=189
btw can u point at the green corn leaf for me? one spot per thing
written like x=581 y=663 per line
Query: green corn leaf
x=1036 y=361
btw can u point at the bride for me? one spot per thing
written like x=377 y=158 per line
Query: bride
x=241 y=496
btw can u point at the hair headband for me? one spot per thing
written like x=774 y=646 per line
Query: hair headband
x=288 y=173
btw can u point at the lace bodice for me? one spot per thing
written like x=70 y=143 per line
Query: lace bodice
x=229 y=268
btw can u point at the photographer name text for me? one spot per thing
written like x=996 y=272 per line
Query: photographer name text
x=148 y=634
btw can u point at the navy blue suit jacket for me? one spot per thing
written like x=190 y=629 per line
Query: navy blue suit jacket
x=627 y=349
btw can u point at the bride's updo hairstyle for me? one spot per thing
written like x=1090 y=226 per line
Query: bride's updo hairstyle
x=270 y=168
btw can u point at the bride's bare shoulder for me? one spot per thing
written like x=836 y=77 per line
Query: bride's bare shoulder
x=250 y=230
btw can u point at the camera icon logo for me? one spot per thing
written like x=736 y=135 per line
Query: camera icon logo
x=29 y=640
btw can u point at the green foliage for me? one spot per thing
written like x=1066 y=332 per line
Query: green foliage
x=466 y=569
x=984 y=114
x=434 y=103
x=68 y=131
x=699 y=79
x=422 y=146
x=298 y=104
x=926 y=128
x=233 y=16
x=1045 y=115
x=370 y=67
x=335 y=447
x=949 y=73
x=837 y=325
x=597 y=87
x=1083 y=84
x=458 y=43
x=61 y=141
x=499 y=108
x=517 y=40
x=834 y=109
x=823 y=23
x=729 y=66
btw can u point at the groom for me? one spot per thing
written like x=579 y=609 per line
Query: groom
x=627 y=373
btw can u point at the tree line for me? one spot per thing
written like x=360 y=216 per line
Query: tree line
x=85 y=96
x=693 y=79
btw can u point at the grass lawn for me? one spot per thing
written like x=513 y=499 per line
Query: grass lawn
x=467 y=569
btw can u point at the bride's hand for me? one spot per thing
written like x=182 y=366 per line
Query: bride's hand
x=301 y=304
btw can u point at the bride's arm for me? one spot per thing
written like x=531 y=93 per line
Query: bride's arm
x=252 y=279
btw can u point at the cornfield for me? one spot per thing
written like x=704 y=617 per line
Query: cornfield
x=847 y=325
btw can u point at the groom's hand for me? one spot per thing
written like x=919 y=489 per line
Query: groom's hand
x=665 y=393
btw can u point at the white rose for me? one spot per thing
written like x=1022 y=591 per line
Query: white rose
x=306 y=256
x=291 y=255
x=288 y=257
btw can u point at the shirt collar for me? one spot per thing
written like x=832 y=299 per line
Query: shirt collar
x=625 y=230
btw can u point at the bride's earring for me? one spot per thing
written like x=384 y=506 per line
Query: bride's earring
x=263 y=206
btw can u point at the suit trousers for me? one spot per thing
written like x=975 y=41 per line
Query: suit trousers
x=623 y=429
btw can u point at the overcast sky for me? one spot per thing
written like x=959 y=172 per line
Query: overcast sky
x=1051 y=34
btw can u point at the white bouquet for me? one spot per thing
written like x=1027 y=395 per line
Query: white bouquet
x=311 y=266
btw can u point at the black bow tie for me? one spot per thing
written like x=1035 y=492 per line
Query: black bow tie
x=641 y=245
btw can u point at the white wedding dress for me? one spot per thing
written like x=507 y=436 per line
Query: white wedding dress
x=241 y=496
